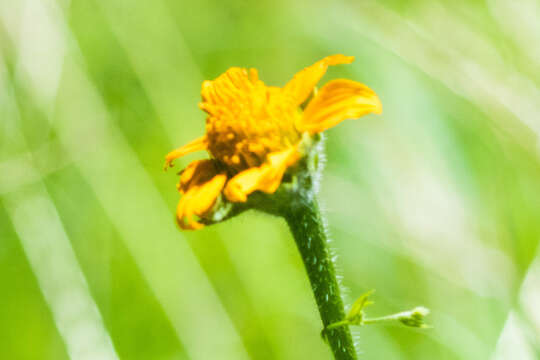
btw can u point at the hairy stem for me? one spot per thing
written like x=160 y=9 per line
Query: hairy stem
x=306 y=224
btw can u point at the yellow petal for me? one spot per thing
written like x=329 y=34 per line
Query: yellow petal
x=236 y=85
x=197 y=172
x=197 y=200
x=338 y=100
x=302 y=84
x=266 y=177
x=195 y=145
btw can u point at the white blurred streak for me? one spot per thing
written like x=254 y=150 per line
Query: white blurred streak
x=415 y=185
x=430 y=206
x=512 y=343
x=40 y=50
x=427 y=203
x=453 y=253
x=11 y=14
x=19 y=170
x=493 y=85
x=433 y=213
x=522 y=329
x=60 y=278
x=481 y=62
x=520 y=20
x=161 y=60
x=16 y=172
x=126 y=191
x=530 y=296
x=51 y=256
x=456 y=336
x=137 y=210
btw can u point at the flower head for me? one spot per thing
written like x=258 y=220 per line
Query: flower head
x=254 y=133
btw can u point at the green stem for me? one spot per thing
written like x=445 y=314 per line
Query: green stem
x=376 y=320
x=306 y=224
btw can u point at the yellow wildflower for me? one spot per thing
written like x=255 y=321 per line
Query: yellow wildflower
x=253 y=132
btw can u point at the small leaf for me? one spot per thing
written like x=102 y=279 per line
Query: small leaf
x=355 y=315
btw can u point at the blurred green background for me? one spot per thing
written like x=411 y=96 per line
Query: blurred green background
x=436 y=202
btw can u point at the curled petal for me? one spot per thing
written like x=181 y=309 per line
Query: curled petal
x=196 y=173
x=265 y=178
x=338 y=100
x=199 y=196
x=195 y=145
x=303 y=83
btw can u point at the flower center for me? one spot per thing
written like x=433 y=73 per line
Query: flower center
x=246 y=119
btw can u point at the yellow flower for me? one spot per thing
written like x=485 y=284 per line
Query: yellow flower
x=253 y=132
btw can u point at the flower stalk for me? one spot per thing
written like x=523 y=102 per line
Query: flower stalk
x=266 y=151
x=307 y=226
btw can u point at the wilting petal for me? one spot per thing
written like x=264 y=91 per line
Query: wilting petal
x=302 y=84
x=195 y=145
x=196 y=173
x=200 y=185
x=266 y=177
x=338 y=100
